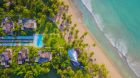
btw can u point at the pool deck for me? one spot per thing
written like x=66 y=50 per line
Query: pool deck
x=35 y=40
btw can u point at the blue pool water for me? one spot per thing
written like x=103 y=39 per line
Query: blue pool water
x=16 y=41
x=10 y=41
x=39 y=40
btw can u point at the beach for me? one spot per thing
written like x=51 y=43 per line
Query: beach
x=100 y=56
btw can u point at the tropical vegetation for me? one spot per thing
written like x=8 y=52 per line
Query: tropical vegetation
x=59 y=35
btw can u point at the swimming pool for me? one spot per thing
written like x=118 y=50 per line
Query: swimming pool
x=38 y=40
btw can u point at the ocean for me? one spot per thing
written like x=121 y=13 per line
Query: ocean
x=116 y=27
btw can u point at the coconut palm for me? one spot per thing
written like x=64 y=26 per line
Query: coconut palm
x=56 y=10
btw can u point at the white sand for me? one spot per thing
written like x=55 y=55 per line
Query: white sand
x=100 y=56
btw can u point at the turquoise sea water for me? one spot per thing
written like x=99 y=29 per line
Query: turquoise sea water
x=116 y=26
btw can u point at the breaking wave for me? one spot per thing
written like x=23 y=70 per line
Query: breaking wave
x=97 y=18
x=119 y=44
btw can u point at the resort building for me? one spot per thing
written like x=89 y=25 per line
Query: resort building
x=74 y=57
x=10 y=39
x=27 y=23
x=23 y=56
x=6 y=58
x=72 y=53
x=7 y=26
x=43 y=57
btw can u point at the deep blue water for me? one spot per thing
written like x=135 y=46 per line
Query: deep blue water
x=116 y=26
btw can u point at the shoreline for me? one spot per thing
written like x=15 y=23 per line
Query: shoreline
x=101 y=57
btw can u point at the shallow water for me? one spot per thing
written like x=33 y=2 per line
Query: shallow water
x=116 y=25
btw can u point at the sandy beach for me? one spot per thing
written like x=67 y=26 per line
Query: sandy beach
x=100 y=56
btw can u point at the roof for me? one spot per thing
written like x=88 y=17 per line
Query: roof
x=24 y=50
x=44 y=57
x=73 y=55
x=8 y=50
x=23 y=53
x=29 y=23
x=4 y=20
x=7 y=54
x=24 y=20
x=7 y=25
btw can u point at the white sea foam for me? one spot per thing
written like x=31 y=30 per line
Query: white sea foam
x=97 y=17
x=87 y=3
x=98 y=21
x=122 y=50
x=119 y=44
x=134 y=65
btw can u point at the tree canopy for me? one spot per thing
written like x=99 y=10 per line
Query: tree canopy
x=50 y=15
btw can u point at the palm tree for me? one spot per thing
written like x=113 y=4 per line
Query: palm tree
x=1 y=32
x=85 y=33
x=94 y=45
x=76 y=34
x=29 y=74
x=91 y=54
x=6 y=6
x=103 y=71
x=64 y=16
